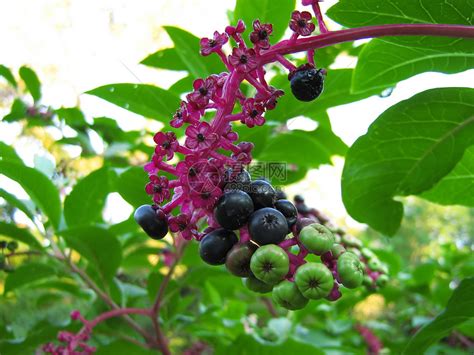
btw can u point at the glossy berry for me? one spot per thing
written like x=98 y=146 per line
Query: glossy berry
x=233 y=209
x=281 y=195
x=255 y=285
x=307 y=84
x=214 y=247
x=288 y=210
x=287 y=295
x=337 y=250
x=262 y=193
x=267 y=226
x=299 y=199
x=350 y=270
x=239 y=181
x=314 y=280
x=238 y=259
x=316 y=238
x=152 y=221
x=270 y=264
x=381 y=280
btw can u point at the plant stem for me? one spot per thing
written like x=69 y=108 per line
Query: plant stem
x=161 y=338
x=335 y=37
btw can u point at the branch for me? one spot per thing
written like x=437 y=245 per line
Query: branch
x=331 y=38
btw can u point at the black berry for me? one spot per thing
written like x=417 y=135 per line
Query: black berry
x=152 y=221
x=268 y=226
x=299 y=199
x=214 y=247
x=237 y=181
x=307 y=84
x=262 y=193
x=288 y=210
x=233 y=209
x=281 y=195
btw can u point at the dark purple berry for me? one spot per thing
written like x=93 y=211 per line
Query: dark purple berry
x=238 y=259
x=281 y=195
x=268 y=226
x=152 y=221
x=214 y=247
x=233 y=209
x=299 y=199
x=262 y=193
x=307 y=84
x=289 y=211
x=237 y=181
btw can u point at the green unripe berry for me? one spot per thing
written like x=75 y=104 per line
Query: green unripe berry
x=367 y=253
x=316 y=238
x=337 y=250
x=270 y=264
x=381 y=280
x=350 y=270
x=255 y=285
x=367 y=281
x=314 y=280
x=287 y=295
x=351 y=241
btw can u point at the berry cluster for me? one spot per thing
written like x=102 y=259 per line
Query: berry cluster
x=247 y=222
x=11 y=246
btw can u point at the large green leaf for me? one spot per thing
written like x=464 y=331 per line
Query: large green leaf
x=277 y=13
x=21 y=234
x=336 y=92
x=167 y=58
x=7 y=74
x=31 y=81
x=73 y=116
x=456 y=188
x=296 y=147
x=356 y=13
x=131 y=186
x=86 y=201
x=146 y=100
x=41 y=190
x=383 y=63
x=99 y=246
x=188 y=50
x=27 y=273
x=16 y=202
x=407 y=150
x=7 y=152
x=459 y=309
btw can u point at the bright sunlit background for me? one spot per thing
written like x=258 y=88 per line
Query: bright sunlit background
x=77 y=45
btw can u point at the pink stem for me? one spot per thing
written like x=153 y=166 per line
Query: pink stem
x=330 y=38
x=310 y=55
x=260 y=88
x=244 y=235
x=285 y=62
x=287 y=243
x=168 y=168
x=117 y=313
x=317 y=11
x=173 y=203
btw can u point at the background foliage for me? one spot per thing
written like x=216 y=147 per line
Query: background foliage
x=422 y=146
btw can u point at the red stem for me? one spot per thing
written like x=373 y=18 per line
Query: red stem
x=330 y=38
x=117 y=313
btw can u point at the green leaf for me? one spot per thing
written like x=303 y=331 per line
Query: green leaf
x=247 y=345
x=17 y=111
x=277 y=13
x=122 y=347
x=383 y=63
x=459 y=309
x=73 y=116
x=32 y=82
x=131 y=186
x=41 y=190
x=21 y=234
x=146 y=100
x=99 y=246
x=406 y=151
x=15 y=202
x=456 y=188
x=182 y=86
x=336 y=92
x=7 y=74
x=85 y=203
x=356 y=13
x=26 y=274
x=8 y=153
x=167 y=58
x=305 y=150
x=188 y=49
x=330 y=141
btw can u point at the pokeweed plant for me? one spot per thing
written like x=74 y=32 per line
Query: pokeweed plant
x=203 y=175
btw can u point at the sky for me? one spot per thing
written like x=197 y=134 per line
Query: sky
x=77 y=45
